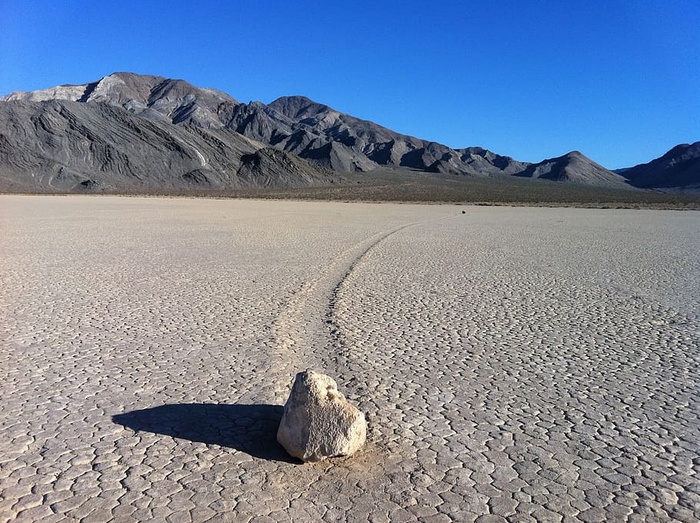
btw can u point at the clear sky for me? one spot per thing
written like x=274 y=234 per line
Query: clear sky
x=618 y=80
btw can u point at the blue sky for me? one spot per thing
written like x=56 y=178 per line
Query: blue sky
x=618 y=80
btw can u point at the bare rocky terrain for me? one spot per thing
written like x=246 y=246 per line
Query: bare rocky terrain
x=67 y=146
x=574 y=167
x=140 y=133
x=677 y=169
x=514 y=364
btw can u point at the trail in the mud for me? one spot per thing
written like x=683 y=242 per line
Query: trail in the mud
x=306 y=331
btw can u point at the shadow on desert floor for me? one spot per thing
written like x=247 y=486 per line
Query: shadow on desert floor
x=248 y=428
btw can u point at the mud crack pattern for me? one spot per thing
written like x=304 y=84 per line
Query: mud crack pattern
x=515 y=364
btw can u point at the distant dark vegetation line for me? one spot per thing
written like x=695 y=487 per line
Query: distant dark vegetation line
x=446 y=190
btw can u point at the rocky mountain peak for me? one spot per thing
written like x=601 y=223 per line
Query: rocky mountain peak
x=299 y=107
x=154 y=97
x=573 y=167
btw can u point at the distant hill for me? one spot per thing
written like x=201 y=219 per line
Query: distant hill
x=573 y=167
x=678 y=169
x=130 y=131
x=344 y=143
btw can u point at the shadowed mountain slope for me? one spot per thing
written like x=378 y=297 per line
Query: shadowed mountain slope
x=679 y=168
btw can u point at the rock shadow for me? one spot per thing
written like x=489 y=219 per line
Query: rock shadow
x=248 y=428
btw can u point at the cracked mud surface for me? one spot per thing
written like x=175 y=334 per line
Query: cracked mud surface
x=514 y=364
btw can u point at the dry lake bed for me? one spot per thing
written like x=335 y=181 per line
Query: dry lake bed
x=514 y=364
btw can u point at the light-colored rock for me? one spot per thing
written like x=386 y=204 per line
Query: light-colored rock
x=318 y=422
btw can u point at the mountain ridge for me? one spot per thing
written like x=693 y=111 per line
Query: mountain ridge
x=326 y=141
x=295 y=124
x=677 y=168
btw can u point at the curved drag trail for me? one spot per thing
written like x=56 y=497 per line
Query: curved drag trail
x=306 y=330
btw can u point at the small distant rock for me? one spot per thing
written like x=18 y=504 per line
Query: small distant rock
x=318 y=422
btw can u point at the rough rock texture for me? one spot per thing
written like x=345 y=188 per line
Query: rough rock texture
x=66 y=145
x=155 y=97
x=345 y=143
x=136 y=132
x=318 y=422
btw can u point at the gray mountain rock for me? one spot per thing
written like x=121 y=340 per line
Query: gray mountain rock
x=294 y=124
x=68 y=145
x=155 y=97
x=573 y=167
x=344 y=143
x=678 y=169
x=363 y=145
x=128 y=131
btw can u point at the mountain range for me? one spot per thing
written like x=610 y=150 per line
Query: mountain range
x=132 y=132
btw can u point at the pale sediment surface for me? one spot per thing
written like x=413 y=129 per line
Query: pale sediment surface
x=515 y=364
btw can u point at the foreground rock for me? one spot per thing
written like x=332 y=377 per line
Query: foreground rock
x=318 y=422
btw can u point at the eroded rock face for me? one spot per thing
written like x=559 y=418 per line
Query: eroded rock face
x=318 y=422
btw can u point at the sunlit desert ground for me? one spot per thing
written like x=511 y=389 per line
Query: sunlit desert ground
x=514 y=364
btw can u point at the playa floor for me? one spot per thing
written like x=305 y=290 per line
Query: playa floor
x=514 y=364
